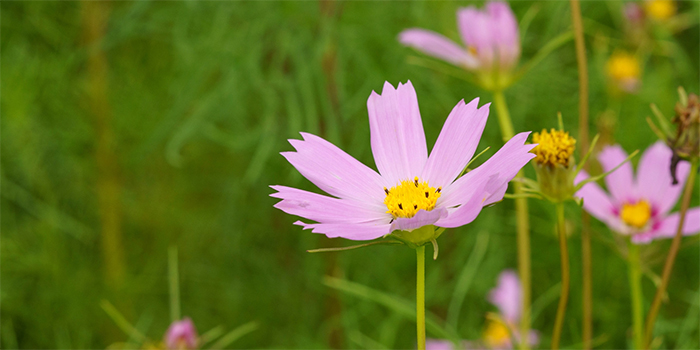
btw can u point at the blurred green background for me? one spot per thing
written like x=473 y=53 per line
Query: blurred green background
x=131 y=127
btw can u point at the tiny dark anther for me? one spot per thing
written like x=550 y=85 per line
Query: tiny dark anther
x=415 y=181
x=427 y=194
x=392 y=220
x=438 y=190
x=415 y=206
x=400 y=206
x=385 y=190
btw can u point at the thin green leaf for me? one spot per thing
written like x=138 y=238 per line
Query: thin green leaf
x=466 y=277
x=580 y=165
x=234 y=335
x=121 y=322
x=552 y=45
x=598 y=177
x=397 y=304
x=340 y=249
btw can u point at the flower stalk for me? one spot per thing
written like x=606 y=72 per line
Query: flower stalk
x=635 y=279
x=522 y=223
x=420 y=296
x=587 y=303
x=564 y=293
x=673 y=251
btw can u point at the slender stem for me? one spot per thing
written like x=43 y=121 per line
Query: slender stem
x=635 y=276
x=420 y=296
x=564 y=293
x=673 y=251
x=503 y=116
x=587 y=303
x=174 y=282
x=522 y=227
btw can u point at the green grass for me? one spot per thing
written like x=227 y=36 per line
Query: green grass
x=201 y=97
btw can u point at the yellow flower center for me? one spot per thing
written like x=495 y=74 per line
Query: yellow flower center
x=623 y=66
x=407 y=198
x=660 y=9
x=496 y=334
x=554 y=148
x=636 y=214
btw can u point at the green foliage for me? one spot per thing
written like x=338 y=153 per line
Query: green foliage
x=200 y=99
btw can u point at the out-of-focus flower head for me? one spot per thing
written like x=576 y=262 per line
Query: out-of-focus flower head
x=624 y=71
x=413 y=192
x=491 y=38
x=638 y=206
x=181 y=335
x=659 y=10
x=633 y=13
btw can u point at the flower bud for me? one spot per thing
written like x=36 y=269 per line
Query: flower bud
x=182 y=335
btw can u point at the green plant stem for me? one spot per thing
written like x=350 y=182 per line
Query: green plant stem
x=673 y=251
x=635 y=276
x=522 y=223
x=564 y=293
x=420 y=296
x=587 y=302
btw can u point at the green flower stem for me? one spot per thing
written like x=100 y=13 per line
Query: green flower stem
x=523 y=223
x=420 y=296
x=583 y=144
x=673 y=251
x=635 y=275
x=564 y=293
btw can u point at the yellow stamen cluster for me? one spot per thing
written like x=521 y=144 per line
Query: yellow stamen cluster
x=407 y=198
x=660 y=9
x=623 y=67
x=636 y=214
x=554 y=148
x=496 y=335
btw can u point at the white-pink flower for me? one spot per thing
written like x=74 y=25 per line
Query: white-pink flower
x=491 y=37
x=411 y=189
x=639 y=206
x=181 y=335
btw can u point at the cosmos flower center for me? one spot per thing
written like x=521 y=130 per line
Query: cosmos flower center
x=408 y=197
x=554 y=148
x=496 y=334
x=622 y=66
x=636 y=214
x=660 y=9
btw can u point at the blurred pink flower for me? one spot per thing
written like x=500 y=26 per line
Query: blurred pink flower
x=181 y=335
x=507 y=296
x=633 y=13
x=412 y=189
x=639 y=206
x=491 y=37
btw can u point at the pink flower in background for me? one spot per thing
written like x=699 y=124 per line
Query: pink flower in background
x=181 y=335
x=491 y=37
x=507 y=296
x=412 y=189
x=639 y=206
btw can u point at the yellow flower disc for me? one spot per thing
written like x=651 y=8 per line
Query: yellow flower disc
x=636 y=214
x=554 y=148
x=622 y=66
x=407 y=198
x=660 y=9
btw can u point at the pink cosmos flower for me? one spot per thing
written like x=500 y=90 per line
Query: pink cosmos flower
x=412 y=189
x=491 y=37
x=181 y=335
x=639 y=206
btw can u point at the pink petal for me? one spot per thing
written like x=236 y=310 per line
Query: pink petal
x=438 y=46
x=504 y=32
x=476 y=31
x=181 y=335
x=654 y=180
x=334 y=171
x=355 y=232
x=620 y=183
x=396 y=133
x=468 y=211
x=507 y=296
x=691 y=226
x=325 y=209
x=456 y=144
x=506 y=163
x=422 y=218
x=435 y=344
x=595 y=201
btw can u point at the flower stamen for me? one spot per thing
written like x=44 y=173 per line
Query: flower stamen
x=636 y=214
x=554 y=148
x=415 y=194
